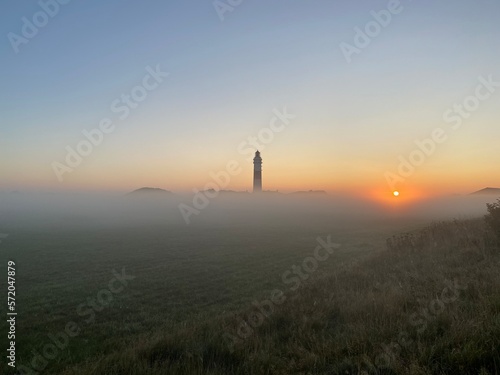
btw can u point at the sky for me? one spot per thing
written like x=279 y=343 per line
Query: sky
x=222 y=73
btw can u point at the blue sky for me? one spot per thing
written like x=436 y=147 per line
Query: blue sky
x=225 y=80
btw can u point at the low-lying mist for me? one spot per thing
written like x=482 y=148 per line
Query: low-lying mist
x=233 y=209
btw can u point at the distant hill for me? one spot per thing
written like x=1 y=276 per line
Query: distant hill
x=487 y=191
x=310 y=192
x=150 y=192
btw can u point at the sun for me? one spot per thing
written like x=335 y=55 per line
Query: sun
x=396 y=193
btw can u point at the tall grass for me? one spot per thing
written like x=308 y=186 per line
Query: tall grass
x=344 y=322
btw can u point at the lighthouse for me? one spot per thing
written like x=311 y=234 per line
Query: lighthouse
x=257 y=173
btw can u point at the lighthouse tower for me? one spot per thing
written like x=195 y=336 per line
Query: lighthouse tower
x=257 y=173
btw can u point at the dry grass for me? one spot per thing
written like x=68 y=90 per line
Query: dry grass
x=340 y=323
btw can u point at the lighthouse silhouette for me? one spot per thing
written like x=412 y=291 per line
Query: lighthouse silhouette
x=257 y=173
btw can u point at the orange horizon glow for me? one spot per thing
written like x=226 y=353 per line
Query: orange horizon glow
x=371 y=189
x=352 y=179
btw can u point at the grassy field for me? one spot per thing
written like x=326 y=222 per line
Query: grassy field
x=426 y=302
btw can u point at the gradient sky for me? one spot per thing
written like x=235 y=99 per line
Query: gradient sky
x=226 y=79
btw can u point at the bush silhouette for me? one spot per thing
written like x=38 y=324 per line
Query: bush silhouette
x=493 y=217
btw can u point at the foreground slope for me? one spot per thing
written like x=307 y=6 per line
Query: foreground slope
x=429 y=304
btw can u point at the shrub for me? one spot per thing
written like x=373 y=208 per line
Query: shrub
x=493 y=217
